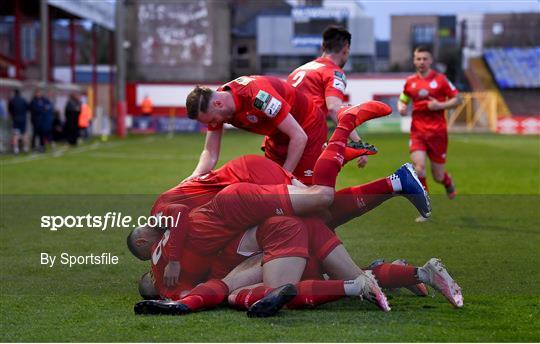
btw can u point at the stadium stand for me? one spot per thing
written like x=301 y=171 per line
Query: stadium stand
x=516 y=72
x=514 y=67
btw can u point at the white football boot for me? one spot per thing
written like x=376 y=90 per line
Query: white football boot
x=440 y=279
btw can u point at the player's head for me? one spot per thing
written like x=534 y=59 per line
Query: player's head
x=337 y=40
x=422 y=58
x=207 y=106
x=147 y=290
x=141 y=239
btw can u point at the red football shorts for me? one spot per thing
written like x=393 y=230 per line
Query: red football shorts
x=234 y=210
x=277 y=237
x=435 y=145
x=322 y=241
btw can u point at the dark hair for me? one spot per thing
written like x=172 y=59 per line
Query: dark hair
x=335 y=38
x=147 y=290
x=422 y=49
x=198 y=100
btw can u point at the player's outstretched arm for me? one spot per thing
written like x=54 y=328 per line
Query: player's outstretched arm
x=297 y=141
x=210 y=154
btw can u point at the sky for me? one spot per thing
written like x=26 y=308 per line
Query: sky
x=381 y=10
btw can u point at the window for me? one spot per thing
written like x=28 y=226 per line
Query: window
x=423 y=34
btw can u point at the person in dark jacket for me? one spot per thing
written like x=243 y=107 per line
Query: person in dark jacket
x=18 y=108
x=72 y=111
x=41 y=110
x=47 y=121
x=37 y=106
x=58 y=127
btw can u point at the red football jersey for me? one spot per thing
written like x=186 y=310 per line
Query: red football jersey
x=419 y=90
x=319 y=79
x=194 y=269
x=253 y=169
x=263 y=102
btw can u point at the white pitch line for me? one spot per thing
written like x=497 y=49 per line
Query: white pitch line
x=61 y=152
x=142 y=156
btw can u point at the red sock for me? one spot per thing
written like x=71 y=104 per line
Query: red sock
x=358 y=200
x=331 y=159
x=447 y=180
x=314 y=292
x=424 y=182
x=247 y=297
x=395 y=276
x=206 y=295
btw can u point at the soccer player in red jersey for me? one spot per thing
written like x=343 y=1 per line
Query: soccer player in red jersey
x=295 y=129
x=431 y=94
x=323 y=79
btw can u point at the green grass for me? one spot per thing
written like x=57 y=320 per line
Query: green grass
x=489 y=237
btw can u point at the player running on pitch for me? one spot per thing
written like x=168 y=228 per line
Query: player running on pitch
x=431 y=94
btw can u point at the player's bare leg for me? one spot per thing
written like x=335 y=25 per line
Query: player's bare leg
x=246 y=273
x=315 y=198
x=442 y=177
x=280 y=271
x=338 y=264
x=418 y=159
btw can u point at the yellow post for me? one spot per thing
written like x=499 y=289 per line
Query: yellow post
x=90 y=97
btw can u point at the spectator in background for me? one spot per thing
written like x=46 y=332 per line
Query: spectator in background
x=41 y=114
x=72 y=111
x=57 y=127
x=18 y=108
x=4 y=132
x=47 y=121
x=35 y=112
x=84 y=119
x=147 y=106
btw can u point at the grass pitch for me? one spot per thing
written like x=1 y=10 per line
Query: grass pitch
x=489 y=238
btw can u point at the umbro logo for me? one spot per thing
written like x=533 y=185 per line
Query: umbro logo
x=339 y=158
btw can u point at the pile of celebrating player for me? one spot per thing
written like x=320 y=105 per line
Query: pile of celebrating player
x=259 y=233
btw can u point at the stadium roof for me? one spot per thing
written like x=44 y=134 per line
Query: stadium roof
x=99 y=12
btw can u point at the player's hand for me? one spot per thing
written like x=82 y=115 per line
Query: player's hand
x=171 y=274
x=402 y=109
x=191 y=177
x=434 y=104
x=362 y=161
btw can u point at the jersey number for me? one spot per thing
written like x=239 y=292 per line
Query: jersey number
x=159 y=248
x=298 y=77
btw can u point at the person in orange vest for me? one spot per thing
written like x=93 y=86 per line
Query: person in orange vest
x=146 y=106
x=84 y=119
